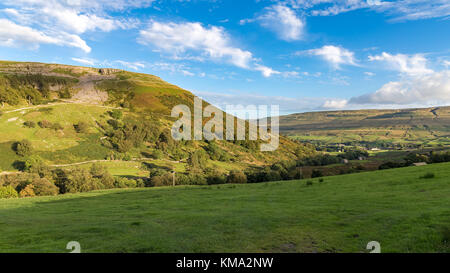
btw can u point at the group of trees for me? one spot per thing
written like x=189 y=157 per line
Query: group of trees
x=127 y=133
x=42 y=181
x=50 y=125
x=22 y=148
x=411 y=158
x=32 y=88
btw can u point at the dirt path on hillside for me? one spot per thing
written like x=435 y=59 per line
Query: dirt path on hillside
x=65 y=102
x=104 y=160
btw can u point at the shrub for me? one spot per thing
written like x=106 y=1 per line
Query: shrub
x=127 y=157
x=216 y=178
x=29 y=124
x=122 y=182
x=309 y=183
x=165 y=179
x=116 y=114
x=198 y=159
x=82 y=127
x=28 y=191
x=56 y=126
x=390 y=165
x=33 y=163
x=80 y=180
x=157 y=154
x=321 y=180
x=45 y=124
x=44 y=187
x=296 y=173
x=102 y=175
x=8 y=192
x=428 y=176
x=22 y=148
x=316 y=173
x=237 y=177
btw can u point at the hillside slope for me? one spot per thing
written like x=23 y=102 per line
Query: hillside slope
x=397 y=208
x=427 y=126
x=45 y=103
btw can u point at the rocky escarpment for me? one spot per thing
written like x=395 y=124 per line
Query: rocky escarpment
x=83 y=79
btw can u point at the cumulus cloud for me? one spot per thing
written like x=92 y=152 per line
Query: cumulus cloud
x=62 y=22
x=335 y=56
x=12 y=34
x=193 y=41
x=427 y=89
x=409 y=64
x=180 y=38
x=266 y=71
x=283 y=21
x=335 y=104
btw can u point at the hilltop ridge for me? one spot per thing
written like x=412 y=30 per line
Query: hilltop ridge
x=422 y=126
x=110 y=86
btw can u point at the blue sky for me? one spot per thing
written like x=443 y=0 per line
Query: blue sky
x=303 y=55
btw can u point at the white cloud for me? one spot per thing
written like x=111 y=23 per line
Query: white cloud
x=132 y=65
x=369 y=74
x=266 y=71
x=61 y=22
x=283 y=21
x=193 y=41
x=334 y=55
x=174 y=68
x=181 y=38
x=84 y=61
x=426 y=89
x=335 y=104
x=446 y=63
x=12 y=34
x=187 y=73
x=408 y=64
x=397 y=10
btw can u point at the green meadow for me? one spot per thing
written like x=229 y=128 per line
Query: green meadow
x=396 y=207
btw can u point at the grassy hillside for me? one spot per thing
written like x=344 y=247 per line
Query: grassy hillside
x=63 y=96
x=375 y=128
x=397 y=208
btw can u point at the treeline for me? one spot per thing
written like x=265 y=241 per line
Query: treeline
x=411 y=158
x=43 y=181
x=32 y=88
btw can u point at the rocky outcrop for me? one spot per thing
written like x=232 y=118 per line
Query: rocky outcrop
x=108 y=71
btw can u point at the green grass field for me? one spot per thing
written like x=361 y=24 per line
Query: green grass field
x=396 y=207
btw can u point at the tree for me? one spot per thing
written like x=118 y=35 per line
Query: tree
x=237 y=177
x=8 y=192
x=43 y=187
x=28 y=191
x=197 y=160
x=157 y=154
x=23 y=148
x=29 y=124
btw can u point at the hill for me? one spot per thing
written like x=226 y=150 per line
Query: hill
x=397 y=208
x=72 y=115
x=429 y=127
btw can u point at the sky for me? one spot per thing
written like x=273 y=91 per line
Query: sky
x=303 y=55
